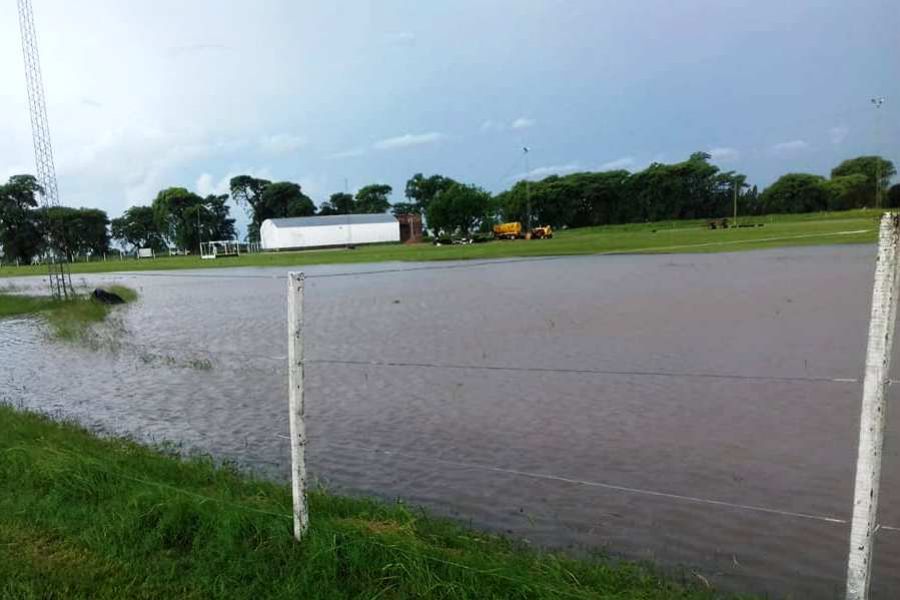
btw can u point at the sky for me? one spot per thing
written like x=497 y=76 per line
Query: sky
x=336 y=95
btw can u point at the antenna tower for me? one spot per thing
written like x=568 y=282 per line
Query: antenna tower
x=60 y=277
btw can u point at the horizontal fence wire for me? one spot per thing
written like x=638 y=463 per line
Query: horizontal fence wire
x=587 y=483
x=163 y=348
x=288 y=516
x=641 y=373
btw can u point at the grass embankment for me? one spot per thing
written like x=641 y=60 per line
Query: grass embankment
x=857 y=226
x=68 y=319
x=82 y=517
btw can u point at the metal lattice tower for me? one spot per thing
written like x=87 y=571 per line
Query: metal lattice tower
x=60 y=277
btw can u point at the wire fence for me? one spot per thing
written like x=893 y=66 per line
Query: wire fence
x=424 y=369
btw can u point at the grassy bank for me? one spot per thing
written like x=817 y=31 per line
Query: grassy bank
x=82 y=517
x=68 y=319
x=856 y=226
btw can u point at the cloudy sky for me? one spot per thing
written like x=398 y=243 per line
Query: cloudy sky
x=144 y=95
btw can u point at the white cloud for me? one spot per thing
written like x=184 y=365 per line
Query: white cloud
x=206 y=185
x=724 y=154
x=620 y=163
x=134 y=162
x=790 y=148
x=196 y=48
x=401 y=38
x=491 y=125
x=541 y=172
x=838 y=134
x=522 y=123
x=408 y=140
x=352 y=152
x=282 y=143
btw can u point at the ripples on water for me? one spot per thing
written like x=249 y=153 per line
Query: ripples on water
x=199 y=360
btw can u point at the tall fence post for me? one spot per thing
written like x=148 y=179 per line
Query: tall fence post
x=295 y=386
x=864 y=523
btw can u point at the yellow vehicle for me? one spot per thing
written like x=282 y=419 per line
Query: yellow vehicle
x=514 y=231
x=508 y=231
x=542 y=233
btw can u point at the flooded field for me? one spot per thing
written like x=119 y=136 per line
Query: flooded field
x=605 y=373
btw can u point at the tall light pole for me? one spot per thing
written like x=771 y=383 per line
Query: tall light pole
x=527 y=195
x=877 y=102
x=734 y=219
x=199 y=230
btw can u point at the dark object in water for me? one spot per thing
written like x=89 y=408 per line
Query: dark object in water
x=104 y=297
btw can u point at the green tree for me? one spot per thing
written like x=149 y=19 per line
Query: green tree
x=848 y=191
x=247 y=192
x=458 y=210
x=373 y=199
x=403 y=208
x=795 y=193
x=690 y=189
x=267 y=200
x=20 y=227
x=599 y=198
x=872 y=167
x=137 y=228
x=175 y=221
x=208 y=221
x=339 y=203
x=85 y=230
x=421 y=190
x=283 y=199
x=893 y=196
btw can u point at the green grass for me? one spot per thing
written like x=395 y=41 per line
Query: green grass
x=83 y=517
x=14 y=305
x=68 y=319
x=670 y=236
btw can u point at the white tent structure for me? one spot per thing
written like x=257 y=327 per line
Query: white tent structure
x=330 y=230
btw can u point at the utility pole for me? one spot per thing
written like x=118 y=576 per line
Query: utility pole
x=349 y=234
x=878 y=101
x=199 y=229
x=527 y=195
x=734 y=221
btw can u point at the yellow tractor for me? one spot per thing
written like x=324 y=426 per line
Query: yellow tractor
x=544 y=232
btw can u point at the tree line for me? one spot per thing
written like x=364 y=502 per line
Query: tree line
x=690 y=189
x=27 y=230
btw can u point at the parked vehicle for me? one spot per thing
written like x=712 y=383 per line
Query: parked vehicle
x=542 y=233
x=514 y=231
x=508 y=231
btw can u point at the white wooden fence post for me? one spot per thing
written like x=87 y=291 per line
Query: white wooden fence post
x=871 y=423
x=295 y=386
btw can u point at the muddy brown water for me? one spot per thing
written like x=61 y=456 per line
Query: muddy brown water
x=200 y=360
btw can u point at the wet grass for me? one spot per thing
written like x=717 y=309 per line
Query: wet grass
x=12 y=305
x=68 y=319
x=854 y=227
x=83 y=517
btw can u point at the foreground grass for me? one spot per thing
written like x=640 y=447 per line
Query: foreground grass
x=82 y=517
x=68 y=319
x=858 y=226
